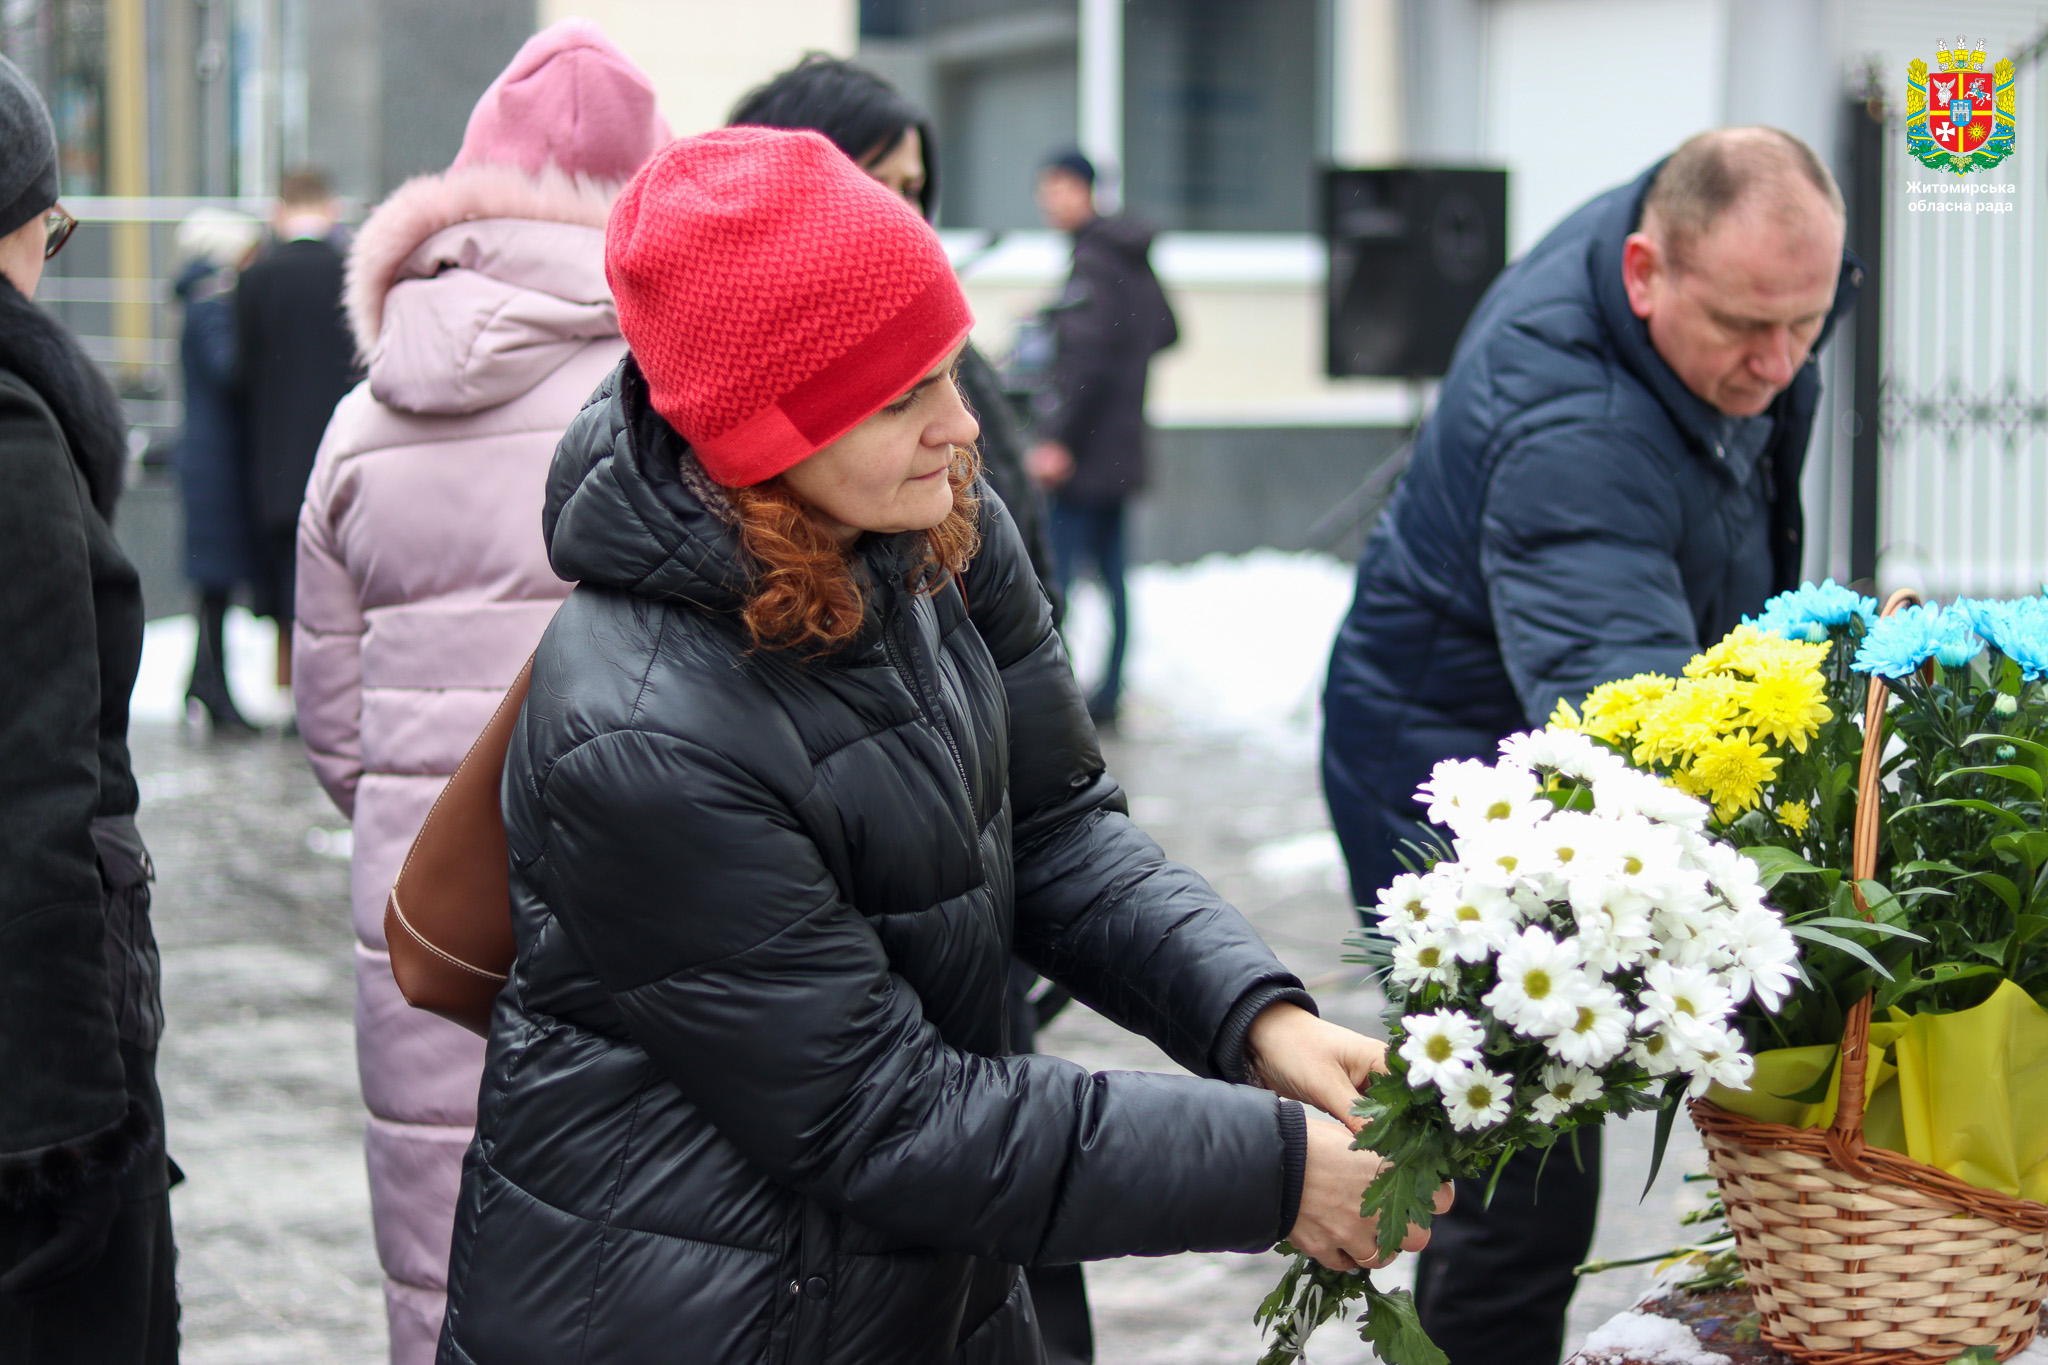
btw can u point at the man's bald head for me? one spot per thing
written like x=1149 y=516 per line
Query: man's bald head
x=1736 y=264
x=1715 y=174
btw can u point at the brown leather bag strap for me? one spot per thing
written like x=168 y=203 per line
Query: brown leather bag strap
x=448 y=920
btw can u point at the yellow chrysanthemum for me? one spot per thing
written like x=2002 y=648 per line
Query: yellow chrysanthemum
x=1614 y=710
x=1749 y=651
x=1785 y=705
x=1687 y=783
x=1695 y=712
x=1794 y=815
x=1731 y=771
x=1562 y=717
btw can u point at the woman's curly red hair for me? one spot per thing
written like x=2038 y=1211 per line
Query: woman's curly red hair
x=806 y=595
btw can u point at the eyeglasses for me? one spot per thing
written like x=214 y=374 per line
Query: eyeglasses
x=57 y=229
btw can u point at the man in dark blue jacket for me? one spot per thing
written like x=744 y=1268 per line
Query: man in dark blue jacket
x=1610 y=479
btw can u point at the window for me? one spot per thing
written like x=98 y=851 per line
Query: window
x=1220 y=106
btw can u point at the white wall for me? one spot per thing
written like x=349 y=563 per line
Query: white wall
x=1582 y=95
x=1366 y=82
x=702 y=55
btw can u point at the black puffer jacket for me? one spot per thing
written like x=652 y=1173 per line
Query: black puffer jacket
x=749 y=1096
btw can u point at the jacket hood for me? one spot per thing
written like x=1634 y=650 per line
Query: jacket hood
x=467 y=288
x=629 y=507
x=571 y=100
x=1125 y=236
x=193 y=279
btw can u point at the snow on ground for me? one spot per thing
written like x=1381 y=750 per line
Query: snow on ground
x=1646 y=1337
x=1231 y=646
x=167 y=646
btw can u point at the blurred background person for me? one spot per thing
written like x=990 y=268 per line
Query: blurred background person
x=1110 y=319
x=479 y=297
x=1610 y=480
x=86 y=1258
x=296 y=359
x=213 y=476
x=891 y=139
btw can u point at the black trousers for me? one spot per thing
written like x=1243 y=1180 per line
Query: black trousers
x=1495 y=1281
x=124 y=1311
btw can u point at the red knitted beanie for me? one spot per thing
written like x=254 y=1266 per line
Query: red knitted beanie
x=774 y=295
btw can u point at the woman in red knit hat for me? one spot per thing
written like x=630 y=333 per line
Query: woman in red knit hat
x=802 y=765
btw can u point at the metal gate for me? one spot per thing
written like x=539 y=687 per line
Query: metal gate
x=1963 y=410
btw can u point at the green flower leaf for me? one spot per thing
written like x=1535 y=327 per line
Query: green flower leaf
x=1307 y=1296
x=1393 y=1328
x=1773 y=863
x=2037 y=751
x=1981 y=807
x=2011 y=772
x=1866 y=925
x=1840 y=944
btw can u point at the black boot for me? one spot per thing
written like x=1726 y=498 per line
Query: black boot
x=208 y=691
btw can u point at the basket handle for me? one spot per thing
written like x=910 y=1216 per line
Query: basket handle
x=1845 y=1137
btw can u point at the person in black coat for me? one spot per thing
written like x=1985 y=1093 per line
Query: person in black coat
x=213 y=476
x=1609 y=482
x=799 y=770
x=85 y=1226
x=1110 y=319
x=891 y=139
x=297 y=360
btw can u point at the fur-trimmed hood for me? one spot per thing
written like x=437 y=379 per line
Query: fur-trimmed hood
x=468 y=287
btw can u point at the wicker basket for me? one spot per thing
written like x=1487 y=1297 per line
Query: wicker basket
x=1861 y=1256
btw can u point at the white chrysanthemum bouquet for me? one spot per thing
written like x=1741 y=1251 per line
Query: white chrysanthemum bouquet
x=1579 y=951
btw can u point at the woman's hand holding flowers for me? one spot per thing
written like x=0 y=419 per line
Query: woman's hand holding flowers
x=1327 y=1066
x=1329 y=1227
x=1324 y=1065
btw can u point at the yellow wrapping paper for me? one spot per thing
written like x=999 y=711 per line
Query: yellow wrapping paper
x=1965 y=1092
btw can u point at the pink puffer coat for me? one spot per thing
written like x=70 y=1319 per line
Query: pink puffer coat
x=480 y=298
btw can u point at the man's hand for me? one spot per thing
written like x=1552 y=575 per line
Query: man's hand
x=1291 y=1052
x=1333 y=1182
x=1050 y=464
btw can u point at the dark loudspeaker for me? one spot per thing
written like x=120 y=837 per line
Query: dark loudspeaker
x=1412 y=249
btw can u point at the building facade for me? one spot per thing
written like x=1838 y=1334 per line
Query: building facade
x=1212 y=119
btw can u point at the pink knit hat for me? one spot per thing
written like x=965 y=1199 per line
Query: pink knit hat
x=570 y=99
x=774 y=295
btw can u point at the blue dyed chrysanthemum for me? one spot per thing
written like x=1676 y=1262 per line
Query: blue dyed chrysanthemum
x=2018 y=630
x=1899 y=643
x=1808 y=611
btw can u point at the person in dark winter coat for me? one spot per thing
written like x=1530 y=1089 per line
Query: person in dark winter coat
x=1610 y=480
x=297 y=360
x=890 y=138
x=85 y=1225
x=213 y=477
x=798 y=770
x=1108 y=322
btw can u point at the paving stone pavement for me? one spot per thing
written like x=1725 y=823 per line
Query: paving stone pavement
x=264 y=1115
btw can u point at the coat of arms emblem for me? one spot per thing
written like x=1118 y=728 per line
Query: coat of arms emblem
x=1959 y=116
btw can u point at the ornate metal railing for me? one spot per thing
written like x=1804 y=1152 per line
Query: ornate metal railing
x=1964 y=390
